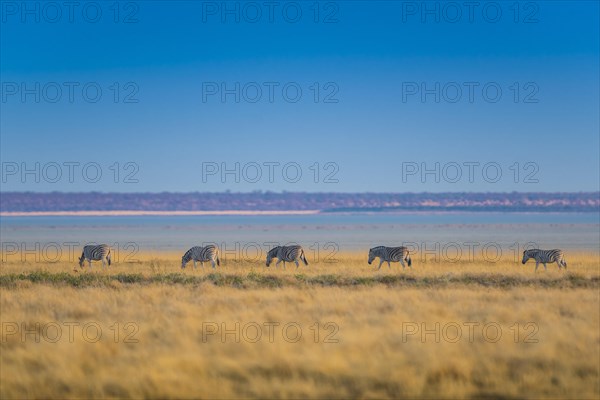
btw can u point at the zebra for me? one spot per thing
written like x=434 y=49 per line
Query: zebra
x=286 y=253
x=390 y=254
x=545 y=256
x=95 y=253
x=199 y=253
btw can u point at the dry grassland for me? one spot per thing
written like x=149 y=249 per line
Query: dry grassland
x=329 y=330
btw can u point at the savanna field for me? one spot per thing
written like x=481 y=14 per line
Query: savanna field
x=340 y=329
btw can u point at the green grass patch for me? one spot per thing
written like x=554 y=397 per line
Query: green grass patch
x=259 y=280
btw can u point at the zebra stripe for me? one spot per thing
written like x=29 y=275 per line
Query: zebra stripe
x=390 y=254
x=545 y=256
x=286 y=253
x=95 y=253
x=199 y=253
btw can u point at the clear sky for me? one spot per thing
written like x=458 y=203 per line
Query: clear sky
x=353 y=95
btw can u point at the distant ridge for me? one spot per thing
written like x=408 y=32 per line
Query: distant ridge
x=26 y=202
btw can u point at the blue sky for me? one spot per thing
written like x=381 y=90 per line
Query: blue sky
x=379 y=98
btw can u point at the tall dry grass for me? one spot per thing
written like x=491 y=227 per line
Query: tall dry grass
x=549 y=346
x=340 y=263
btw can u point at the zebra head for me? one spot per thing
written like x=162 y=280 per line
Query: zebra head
x=526 y=256
x=371 y=256
x=272 y=254
x=81 y=260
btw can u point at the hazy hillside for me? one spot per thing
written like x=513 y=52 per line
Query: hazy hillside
x=329 y=202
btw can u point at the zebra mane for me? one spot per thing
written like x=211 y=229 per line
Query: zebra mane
x=188 y=254
x=273 y=251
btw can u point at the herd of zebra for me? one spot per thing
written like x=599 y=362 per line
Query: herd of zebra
x=296 y=253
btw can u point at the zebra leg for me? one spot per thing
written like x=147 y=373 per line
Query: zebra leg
x=380 y=263
x=90 y=263
x=402 y=263
x=537 y=264
x=389 y=265
x=545 y=268
x=297 y=265
x=195 y=265
x=213 y=263
x=277 y=264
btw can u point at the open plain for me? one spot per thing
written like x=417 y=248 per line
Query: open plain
x=328 y=330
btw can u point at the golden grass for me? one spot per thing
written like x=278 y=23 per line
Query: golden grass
x=373 y=353
x=342 y=263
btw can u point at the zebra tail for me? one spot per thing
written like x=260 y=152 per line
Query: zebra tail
x=218 y=261
x=304 y=258
x=564 y=263
x=408 y=260
x=108 y=258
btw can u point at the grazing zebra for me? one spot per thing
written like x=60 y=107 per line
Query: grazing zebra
x=95 y=253
x=390 y=254
x=286 y=253
x=199 y=253
x=545 y=256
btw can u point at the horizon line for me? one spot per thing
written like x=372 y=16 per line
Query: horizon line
x=127 y=213
x=303 y=192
